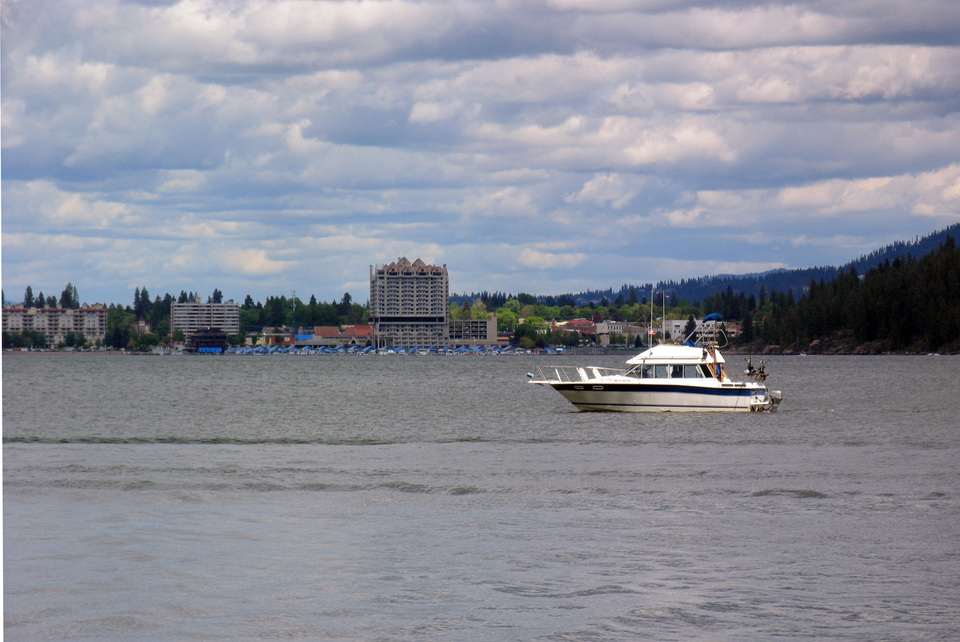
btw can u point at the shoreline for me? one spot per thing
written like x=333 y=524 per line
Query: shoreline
x=770 y=350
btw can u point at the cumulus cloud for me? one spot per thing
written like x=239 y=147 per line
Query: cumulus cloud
x=540 y=260
x=603 y=189
x=531 y=146
x=433 y=111
x=254 y=262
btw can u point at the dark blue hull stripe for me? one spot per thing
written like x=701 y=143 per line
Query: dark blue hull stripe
x=656 y=388
x=658 y=406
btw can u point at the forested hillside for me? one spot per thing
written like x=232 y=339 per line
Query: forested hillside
x=905 y=304
x=901 y=305
x=797 y=280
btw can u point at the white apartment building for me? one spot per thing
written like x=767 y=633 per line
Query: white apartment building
x=628 y=330
x=191 y=317
x=673 y=329
x=55 y=323
x=409 y=303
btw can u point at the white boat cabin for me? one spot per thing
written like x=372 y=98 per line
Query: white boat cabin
x=667 y=361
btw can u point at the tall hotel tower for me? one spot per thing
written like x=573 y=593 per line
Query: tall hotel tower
x=409 y=303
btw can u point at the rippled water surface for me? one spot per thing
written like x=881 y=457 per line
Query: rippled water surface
x=444 y=498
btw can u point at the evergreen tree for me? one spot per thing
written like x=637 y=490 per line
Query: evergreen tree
x=689 y=328
x=141 y=304
x=69 y=298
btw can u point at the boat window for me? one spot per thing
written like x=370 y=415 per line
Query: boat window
x=705 y=370
x=692 y=371
x=661 y=372
x=677 y=372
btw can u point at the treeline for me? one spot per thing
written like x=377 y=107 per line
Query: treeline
x=909 y=304
x=124 y=321
x=68 y=298
x=275 y=312
x=281 y=311
x=905 y=305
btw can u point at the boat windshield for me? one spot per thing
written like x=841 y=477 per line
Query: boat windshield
x=668 y=371
x=693 y=371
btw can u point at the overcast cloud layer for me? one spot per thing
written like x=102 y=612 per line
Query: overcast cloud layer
x=261 y=146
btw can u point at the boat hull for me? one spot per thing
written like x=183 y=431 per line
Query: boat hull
x=667 y=377
x=662 y=397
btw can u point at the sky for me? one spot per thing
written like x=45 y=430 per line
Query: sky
x=273 y=147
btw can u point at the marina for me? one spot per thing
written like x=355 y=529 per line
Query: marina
x=384 y=351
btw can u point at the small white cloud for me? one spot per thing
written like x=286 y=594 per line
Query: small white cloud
x=183 y=181
x=433 y=111
x=85 y=211
x=685 y=218
x=548 y=260
x=603 y=189
x=506 y=202
x=254 y=262
x=772 y=89
x=673 y=144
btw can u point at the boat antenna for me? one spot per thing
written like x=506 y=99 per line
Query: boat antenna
x=650 y=329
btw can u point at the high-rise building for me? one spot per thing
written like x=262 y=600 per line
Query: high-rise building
x=409 y=303
x=55 y=323
x=194 y=316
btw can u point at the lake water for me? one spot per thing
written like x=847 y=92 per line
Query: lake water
x=378 y=498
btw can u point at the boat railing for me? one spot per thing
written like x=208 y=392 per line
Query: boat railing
x=570 y=374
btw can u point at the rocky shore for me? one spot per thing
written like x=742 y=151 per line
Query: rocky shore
x=834 y=346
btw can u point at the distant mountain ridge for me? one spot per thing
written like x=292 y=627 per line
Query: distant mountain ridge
x=780 y=280
x=783 y=280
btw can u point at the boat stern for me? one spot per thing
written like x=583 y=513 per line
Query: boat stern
x=767 y=402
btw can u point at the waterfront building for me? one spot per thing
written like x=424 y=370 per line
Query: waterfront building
x=282 y=336
x=474 y=332
x=628 y=331
x=192 y=317
x=674 y=329
x=210 y=341
x=333 y=336
x=356 y=335
x=584 y=327
x=56 y=323
x=409 y=303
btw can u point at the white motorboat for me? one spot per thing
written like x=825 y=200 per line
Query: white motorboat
x=665 y=377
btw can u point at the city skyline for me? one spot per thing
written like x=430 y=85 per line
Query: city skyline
x=262 y=148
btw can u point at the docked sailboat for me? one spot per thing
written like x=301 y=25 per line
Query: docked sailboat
x=666 y=377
